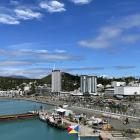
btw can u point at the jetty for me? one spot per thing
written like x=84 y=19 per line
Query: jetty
x=17 y=116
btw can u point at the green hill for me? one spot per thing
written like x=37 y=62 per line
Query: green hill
x=8 y=83
x=69 y=82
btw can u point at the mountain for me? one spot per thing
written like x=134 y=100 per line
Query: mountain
x=18 y=77
x=69 y=82
x=72 y=82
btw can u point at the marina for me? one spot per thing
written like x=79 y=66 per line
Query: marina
x=69 y=70
x=31 y=128
x=47 y=114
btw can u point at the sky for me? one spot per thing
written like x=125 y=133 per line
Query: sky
x=96 y=37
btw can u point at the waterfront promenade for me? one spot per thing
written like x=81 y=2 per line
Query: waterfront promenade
x=16 y=104
x=116 y=123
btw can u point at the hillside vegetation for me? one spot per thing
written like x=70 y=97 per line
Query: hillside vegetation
x=69 y=82
x=8 y=83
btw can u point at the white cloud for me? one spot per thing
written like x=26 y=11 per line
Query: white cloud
x=81 y=1
x=14 y=2
x=53 y=6
x=7 y=19
x=130 y=21
x=131 y=38
x=124 y=67
x=43 y=56
x=26 y=14
x=26 y=62
x=28 y=72
x=97 y=43
x=14 y=63
x=57 y=57
x=60 y=51
x=115 y=33
x=15 y=15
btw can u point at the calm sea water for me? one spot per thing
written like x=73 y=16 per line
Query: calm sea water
x=32 y=129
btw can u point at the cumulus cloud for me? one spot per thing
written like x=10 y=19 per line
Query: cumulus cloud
x=20 y=11
x=53 y=6
x=81 y=1
x=7 y=19
x=16 y=15
x=115 y=33
x=26 y=14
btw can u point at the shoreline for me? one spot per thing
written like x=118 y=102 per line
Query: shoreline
x=30 y=99
x=117 y=123
x=89 y=131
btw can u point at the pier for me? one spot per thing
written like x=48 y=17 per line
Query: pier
x=17 y=116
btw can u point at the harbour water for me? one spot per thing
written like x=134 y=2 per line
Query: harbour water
x=31 y=128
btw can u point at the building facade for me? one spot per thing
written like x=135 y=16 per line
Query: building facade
x=118 y=84
x=56 y=81
x=127 y=90
x=88 y=84
x=83 y=84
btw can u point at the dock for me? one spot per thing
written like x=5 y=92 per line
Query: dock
x=17 y=116
x=106 y=135
x=85 y=131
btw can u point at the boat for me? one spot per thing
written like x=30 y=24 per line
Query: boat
x=43 y=116
x=33 y=112
x=57 y=122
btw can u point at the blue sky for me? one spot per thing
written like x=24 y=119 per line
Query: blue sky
x=100 y=37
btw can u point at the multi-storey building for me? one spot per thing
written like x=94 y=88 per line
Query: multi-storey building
x=56 y=81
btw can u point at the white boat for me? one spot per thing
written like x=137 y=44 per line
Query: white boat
x=43 y=116
x=33 y=112
x=51 y=119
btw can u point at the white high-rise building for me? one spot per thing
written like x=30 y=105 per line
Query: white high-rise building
x=88 y=84
x=83 y=84
x=56 y=81
x=92 y=85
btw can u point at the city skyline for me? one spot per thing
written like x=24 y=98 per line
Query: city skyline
x=78 y=36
